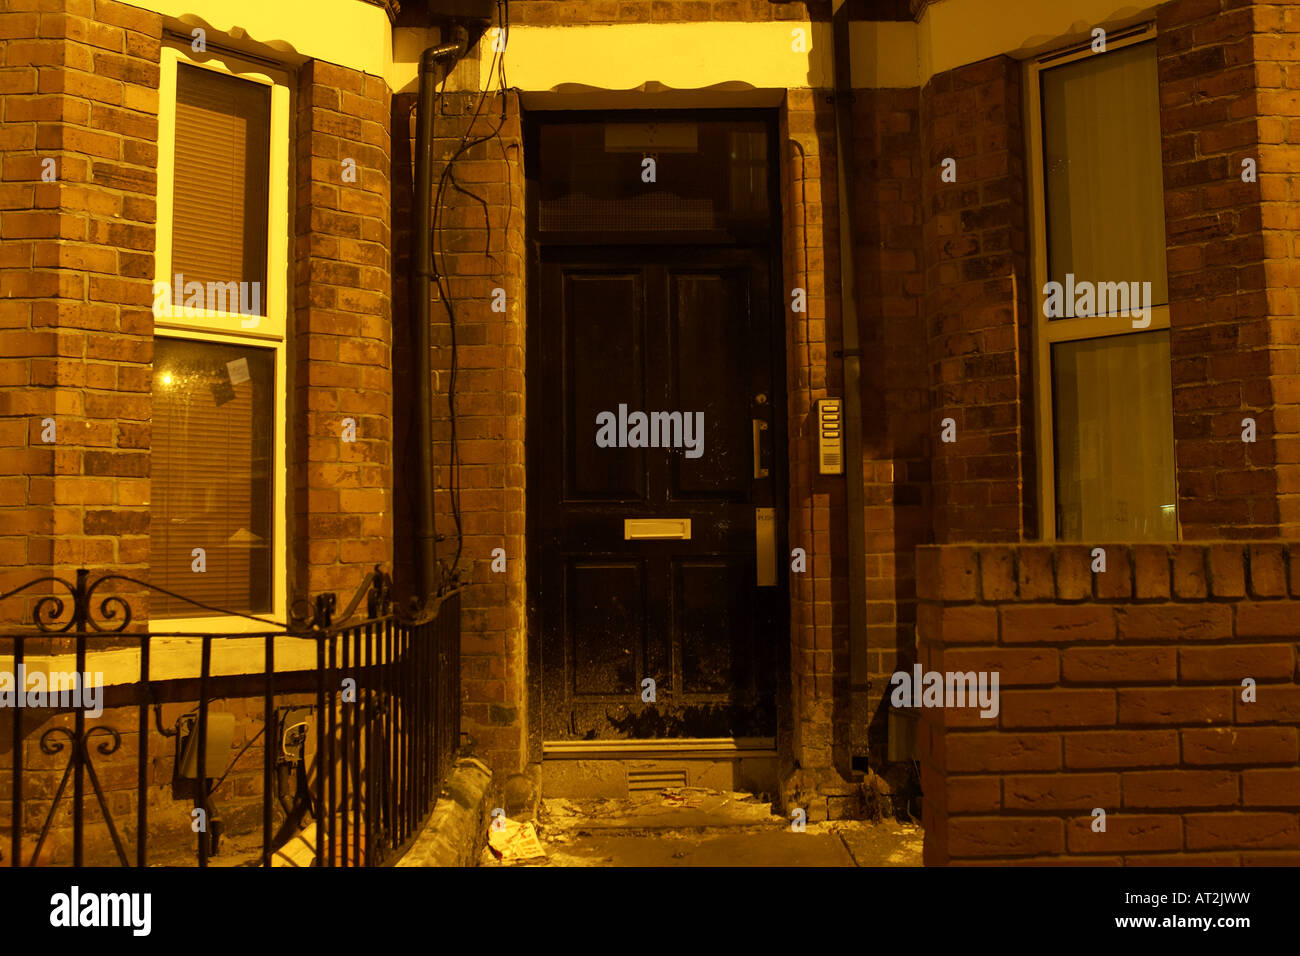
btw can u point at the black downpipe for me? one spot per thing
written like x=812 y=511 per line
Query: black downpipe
x=851 y=354
x=421 y=291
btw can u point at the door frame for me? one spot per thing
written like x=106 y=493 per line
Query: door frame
x=532 y=122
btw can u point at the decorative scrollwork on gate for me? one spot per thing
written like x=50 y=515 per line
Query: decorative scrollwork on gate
x=114 y=611
x=80 y=754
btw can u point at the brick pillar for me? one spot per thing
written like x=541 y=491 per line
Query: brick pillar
x=343 y=490
x=896 y=396
x=977 y=303
x=482 y=245
x=1277 y=72
x=818 y=608
x=1227 y=96
x=78 y=176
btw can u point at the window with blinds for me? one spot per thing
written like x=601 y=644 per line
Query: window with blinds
x=221 y=179
x=213 y=426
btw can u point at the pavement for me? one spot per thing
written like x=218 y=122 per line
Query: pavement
x=708 y=828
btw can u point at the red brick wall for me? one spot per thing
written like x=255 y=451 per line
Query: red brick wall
x=1219 y=305
x=76 y=268
x=1120 y=690
x=1228 y=76
x=896 y=396
x=1277 y=72
x=976 y=302
x=341 y=348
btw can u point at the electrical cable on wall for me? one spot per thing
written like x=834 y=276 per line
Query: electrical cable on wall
x=448 y=178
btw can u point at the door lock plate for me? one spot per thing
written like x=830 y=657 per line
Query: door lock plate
x=765 y=546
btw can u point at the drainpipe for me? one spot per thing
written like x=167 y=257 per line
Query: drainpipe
x=421 y=289
x=851 y=354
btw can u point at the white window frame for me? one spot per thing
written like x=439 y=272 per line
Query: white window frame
x=1050 y=332
x=229 y=328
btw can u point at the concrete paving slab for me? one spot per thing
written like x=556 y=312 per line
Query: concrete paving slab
x=888 y=843
x=751 y=848
x=709 y=828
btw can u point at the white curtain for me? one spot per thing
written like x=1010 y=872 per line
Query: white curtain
x=1114 y=439
x=1103 y=180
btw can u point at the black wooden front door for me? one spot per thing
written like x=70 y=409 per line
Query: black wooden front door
x=620 y=593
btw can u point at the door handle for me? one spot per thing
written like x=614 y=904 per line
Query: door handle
x=760 y=426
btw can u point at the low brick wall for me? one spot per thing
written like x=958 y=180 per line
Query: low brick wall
x=1120 y=690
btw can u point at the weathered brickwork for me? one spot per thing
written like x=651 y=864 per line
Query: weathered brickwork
x=896 y=399
x=1119 y=690
x=480 y=249
x=1227 y=81
x=1277 y=75
x=78 y=183
x=342 y=344
x=819 y=639
x=976 y=301
x=1219 y=311
x=78 y=174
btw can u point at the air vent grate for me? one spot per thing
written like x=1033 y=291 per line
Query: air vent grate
x=643 y=781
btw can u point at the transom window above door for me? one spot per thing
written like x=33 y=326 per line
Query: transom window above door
x=690 y=175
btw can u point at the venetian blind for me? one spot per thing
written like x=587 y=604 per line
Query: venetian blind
x=219 y=223
x=211 y=475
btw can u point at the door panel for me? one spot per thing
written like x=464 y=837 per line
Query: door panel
x=709 y=331
x=610 y=325
x=714 y=626
x=605 y=615
x=652 y=329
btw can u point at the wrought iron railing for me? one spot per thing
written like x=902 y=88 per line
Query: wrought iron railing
x=382 y=703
